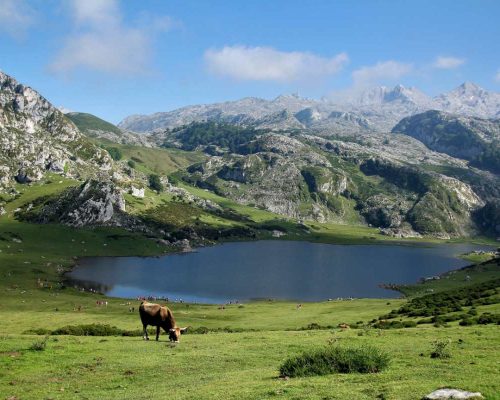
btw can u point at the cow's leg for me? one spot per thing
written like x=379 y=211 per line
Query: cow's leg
x=157 y=332
x=145 y=336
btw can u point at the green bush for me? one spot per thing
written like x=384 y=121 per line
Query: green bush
x=488 y=318
x=441 y=349
x=38 y=331
x=336 y=359
x=131 y=163
x=40 y=344
x=115 y=153
x=90 y=330
x=155 y=182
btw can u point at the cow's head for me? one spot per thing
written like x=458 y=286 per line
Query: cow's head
x=175 y=333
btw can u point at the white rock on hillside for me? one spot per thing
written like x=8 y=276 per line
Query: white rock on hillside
x=137 y=192
x=453 y=394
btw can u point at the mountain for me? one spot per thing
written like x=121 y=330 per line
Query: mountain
x=470 y=138
x=96 y=127
x=380 y=96
x=384 y=107
x=471 y=100
x=303 y=159
x=36 y=137
x=375 y=109
x=393 y=182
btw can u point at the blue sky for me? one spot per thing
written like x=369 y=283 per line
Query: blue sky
x=114 y=58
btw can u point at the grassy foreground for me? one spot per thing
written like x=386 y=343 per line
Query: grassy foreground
x=217 y=365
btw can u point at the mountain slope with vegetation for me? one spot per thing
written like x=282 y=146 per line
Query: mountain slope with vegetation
x=298 y=175
x=96 y=127
x=474 y=139
x=307 y=177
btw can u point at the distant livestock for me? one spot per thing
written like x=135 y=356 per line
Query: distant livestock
x=161 y=317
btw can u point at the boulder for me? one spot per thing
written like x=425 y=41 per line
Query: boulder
x=137 y=192
x=91 y=204
x=455 y=394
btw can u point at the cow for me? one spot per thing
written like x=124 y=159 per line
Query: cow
x=161 y=317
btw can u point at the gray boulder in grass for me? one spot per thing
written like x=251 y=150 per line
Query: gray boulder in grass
x=453 y=394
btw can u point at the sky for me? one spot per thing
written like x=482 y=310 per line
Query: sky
x=114 y=58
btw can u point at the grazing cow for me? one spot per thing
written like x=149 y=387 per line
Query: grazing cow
x=161 y=317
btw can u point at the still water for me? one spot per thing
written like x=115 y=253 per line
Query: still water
x=285 y=270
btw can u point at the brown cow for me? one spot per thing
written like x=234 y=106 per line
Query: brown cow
x=161 y=317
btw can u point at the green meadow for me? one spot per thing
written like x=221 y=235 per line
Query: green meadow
x=244 y=345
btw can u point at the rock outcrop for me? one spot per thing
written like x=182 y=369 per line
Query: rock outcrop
x=453 y=394
x=93 y=203
x=35 y=138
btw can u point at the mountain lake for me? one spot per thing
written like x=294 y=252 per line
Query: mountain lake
x=281 y=270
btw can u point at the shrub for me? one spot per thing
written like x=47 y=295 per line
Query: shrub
x=40 y=344
x=467 y=322
x=488 y=318
x=201 y=330
x=155 y=182
x=115 y=153
x=38 y=331
x=441 y=349
x=312 y=326
x=366 y=359
x=131 y=163
x=90 y=330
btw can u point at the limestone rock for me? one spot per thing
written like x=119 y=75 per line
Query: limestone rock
x=137 y=192
x=93 y=203
x=453 y=394
x=36 y=137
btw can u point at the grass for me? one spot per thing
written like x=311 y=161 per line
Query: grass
x=242 y=365
x=86 y=122
x=215 y=365
x=473 y=274
x=478 y=257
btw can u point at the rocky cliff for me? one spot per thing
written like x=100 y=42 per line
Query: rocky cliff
x=35 y=137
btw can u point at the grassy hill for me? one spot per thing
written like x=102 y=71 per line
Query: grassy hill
x=87 y=122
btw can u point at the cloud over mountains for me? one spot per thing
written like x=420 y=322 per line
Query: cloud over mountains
x=269 y=64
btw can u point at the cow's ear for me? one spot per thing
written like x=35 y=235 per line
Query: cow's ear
x=183 y=330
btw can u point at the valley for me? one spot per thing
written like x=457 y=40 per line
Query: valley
x=290 y=170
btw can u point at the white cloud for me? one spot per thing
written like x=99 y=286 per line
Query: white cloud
x=497 y=76
x=381 y=71
x=16 y=17
x=103 y=42
x=448 y=62
x=268 y=64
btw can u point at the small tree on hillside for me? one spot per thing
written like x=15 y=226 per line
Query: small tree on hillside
x=115 y=153
x=155 y=182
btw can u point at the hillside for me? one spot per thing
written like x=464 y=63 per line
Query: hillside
x=96 y=127
x=37 y=138
x=473 y=139
x=390 y=182
x=299 y=175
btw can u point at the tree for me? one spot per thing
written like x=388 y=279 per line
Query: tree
x=115 y=153
x=155 y=182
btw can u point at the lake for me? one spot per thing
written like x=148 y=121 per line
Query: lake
x=284 y=270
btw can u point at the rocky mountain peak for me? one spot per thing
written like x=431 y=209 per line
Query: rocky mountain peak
x=470 y=99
